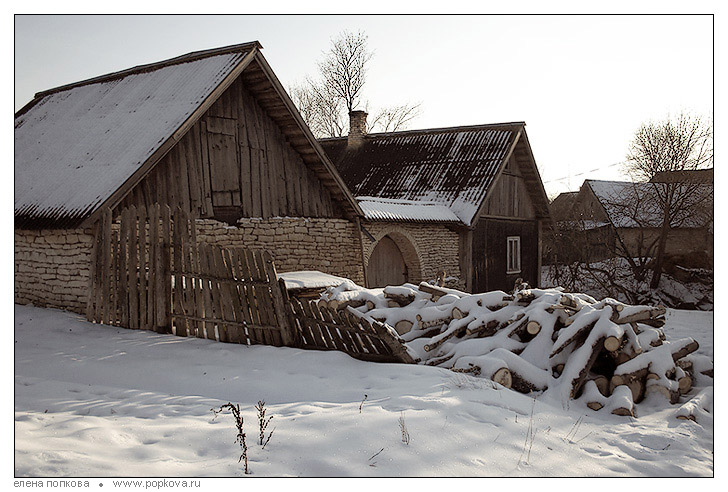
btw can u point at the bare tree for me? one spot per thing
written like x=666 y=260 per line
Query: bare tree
x=344 y=67
x=394 y=118
x=325 y=102
x=684 y=143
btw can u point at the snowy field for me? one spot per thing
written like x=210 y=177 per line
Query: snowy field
x=99 y=401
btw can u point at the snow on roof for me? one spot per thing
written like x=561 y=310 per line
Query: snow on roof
x=450 y=166
x=405 y=210
x=77 y=145
x=630 y=204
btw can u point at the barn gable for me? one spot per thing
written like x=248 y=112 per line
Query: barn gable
x=111 y=131
x=455 y=168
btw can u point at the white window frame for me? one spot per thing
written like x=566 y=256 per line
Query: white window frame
x=513 y=263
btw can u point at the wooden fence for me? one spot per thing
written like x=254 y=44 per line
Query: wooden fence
x=321 y=328
x=149 y=272
x=130 y=271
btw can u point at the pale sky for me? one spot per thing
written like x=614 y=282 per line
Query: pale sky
x=582 y=84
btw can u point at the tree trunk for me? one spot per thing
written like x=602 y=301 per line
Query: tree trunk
x=664 y=231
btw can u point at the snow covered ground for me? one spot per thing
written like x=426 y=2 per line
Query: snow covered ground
x=99 y=401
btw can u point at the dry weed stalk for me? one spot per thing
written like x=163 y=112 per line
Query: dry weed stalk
x=240 y=438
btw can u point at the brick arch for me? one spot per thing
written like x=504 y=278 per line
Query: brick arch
x=407 y=246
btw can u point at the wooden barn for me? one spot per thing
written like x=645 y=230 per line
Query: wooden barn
x=465 y=204
x=212 y=133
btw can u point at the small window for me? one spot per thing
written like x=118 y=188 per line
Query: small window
x=514 y=254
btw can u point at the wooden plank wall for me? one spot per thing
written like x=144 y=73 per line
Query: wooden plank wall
x=509 y=195
x=235 y=162
x=489 y=253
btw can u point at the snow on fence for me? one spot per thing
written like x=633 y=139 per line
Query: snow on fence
x=605 y=353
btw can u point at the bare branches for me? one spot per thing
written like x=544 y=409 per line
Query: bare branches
x=343 y=69
x=675 y=145
x=326 y=101
x=394 y=118
x=682 y=143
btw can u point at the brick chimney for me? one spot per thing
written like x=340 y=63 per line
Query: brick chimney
x=357 y=127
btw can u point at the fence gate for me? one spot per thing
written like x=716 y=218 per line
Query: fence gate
x=149 y=272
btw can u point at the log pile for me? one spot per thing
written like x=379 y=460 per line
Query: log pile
x=605 y=353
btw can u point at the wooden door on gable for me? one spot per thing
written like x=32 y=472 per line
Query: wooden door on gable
x=222 y=151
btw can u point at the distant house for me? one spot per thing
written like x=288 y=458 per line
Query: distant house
x=211 y=132
x=560 y=207
x=466 y=203
x=626 y=216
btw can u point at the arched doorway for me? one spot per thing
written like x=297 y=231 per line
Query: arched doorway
x=386 y=265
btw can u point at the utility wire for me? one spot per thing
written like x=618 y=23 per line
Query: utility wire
x=583 y=173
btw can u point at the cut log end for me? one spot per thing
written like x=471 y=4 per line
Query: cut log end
x=624 y=412
x=612 y=343
x=503 y=377
x=533 y=327
x=457 y=313
x=594 y=405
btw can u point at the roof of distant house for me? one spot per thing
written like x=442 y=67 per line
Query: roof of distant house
x=561 y=205
x=630 y=204
x=685 y=176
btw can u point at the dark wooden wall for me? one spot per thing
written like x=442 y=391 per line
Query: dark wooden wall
x=508 y=196
x=490 y=239
x=235 y=162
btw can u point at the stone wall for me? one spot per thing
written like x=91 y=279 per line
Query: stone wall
x=52 y=268
x=328 y=245
x=426 y=249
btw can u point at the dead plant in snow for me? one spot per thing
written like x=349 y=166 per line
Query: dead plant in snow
x=240 y=438
x=263 y=423
x=403 y=428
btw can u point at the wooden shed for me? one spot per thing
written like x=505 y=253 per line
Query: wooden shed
x=211 y=132
x=466 y=203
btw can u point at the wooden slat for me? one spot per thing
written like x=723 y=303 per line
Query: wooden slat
x=244 y=260
x=133 y=248
x=106 y=273
x=124 y=269
x=179 y=224
x=142 y=244
x=261 y=297
x=164 y=274
x=279 y=305
x=309 y=309
x=267 y=292
x=222 y=305
x=235 y=310
x=153 y=259
x=114 y=278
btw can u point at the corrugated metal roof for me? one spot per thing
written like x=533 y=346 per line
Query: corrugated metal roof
x=76 y=146
x=453 y=166
x=407 y=211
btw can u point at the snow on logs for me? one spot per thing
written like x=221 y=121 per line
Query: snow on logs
x=608 y=354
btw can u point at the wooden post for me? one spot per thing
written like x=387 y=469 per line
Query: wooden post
x=93 y=286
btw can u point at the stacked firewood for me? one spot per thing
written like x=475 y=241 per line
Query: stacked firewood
x=608 y=354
